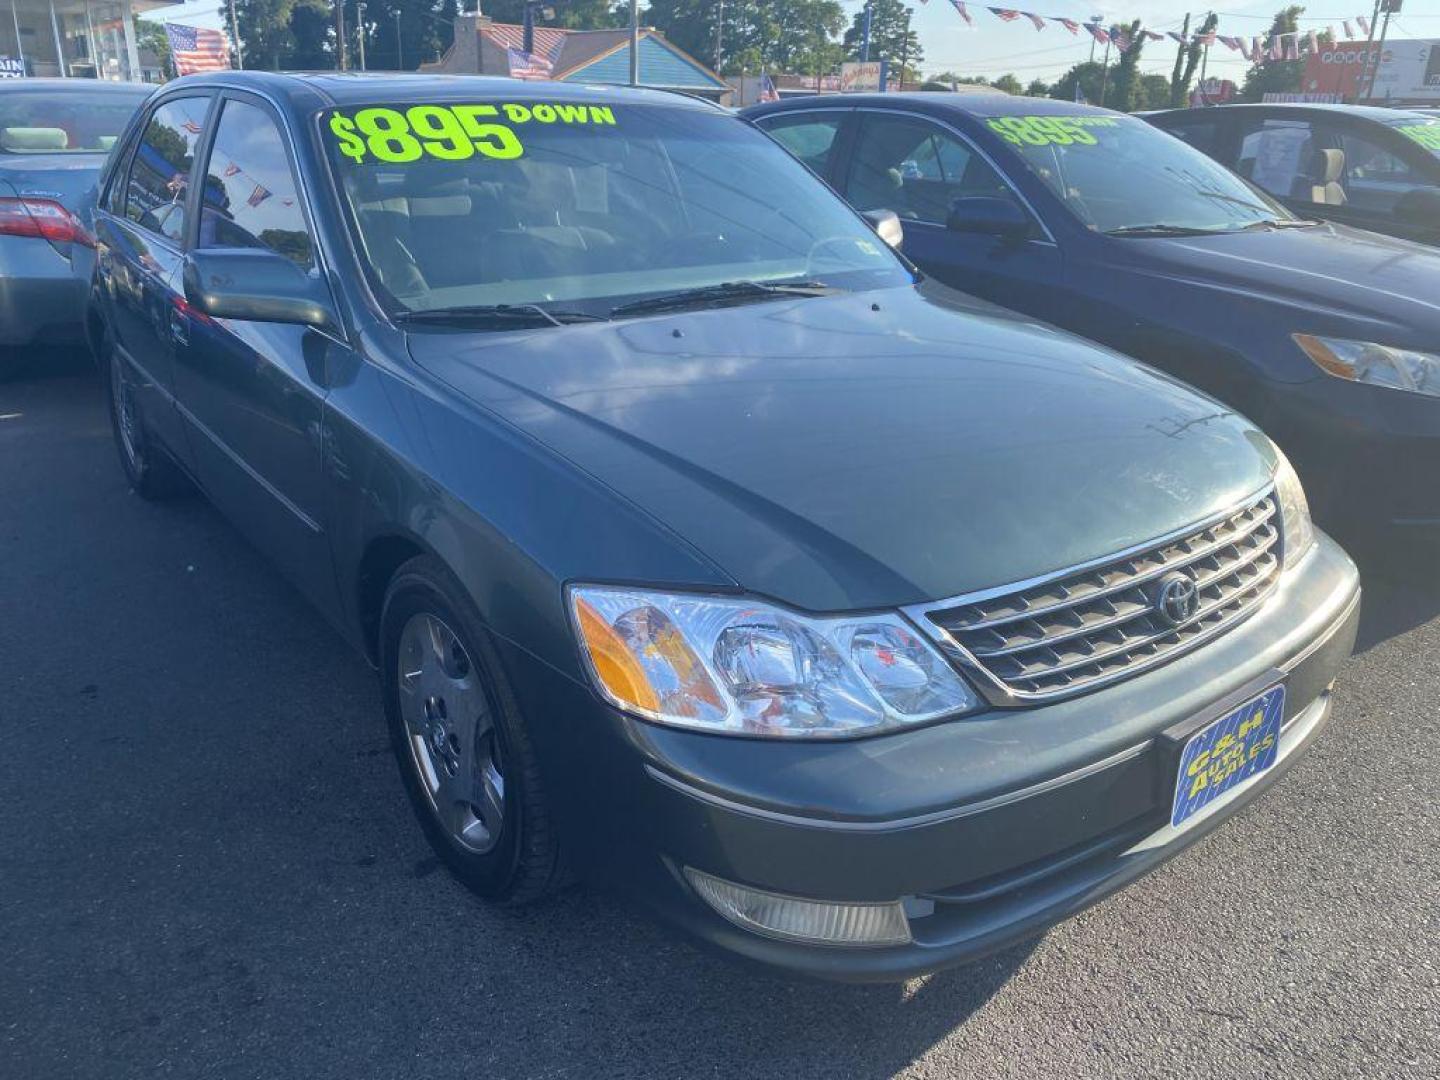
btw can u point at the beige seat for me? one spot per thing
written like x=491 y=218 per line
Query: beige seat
x=1322 y=184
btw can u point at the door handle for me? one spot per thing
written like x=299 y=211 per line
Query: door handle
x=179 y=326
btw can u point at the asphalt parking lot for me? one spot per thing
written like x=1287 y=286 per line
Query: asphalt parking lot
x=208 y=867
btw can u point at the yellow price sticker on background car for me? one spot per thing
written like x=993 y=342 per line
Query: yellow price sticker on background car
x=450 y=132
x=1427 y=135
x=1049 y=130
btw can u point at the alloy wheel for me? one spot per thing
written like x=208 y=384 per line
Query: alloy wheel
x=451 y=734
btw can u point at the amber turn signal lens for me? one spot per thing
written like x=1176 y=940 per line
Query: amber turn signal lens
x=615 y=666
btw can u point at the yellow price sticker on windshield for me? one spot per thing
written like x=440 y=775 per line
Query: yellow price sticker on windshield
x=1427 y=135
x=1049 y=130
x=450 y=132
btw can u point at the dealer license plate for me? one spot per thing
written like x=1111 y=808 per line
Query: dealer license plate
x=1223 y=755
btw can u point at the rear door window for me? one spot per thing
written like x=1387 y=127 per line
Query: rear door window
x=809 y=136
x=160 y=170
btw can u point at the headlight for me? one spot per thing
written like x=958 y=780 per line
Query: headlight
x=743 y=667
x=1298 y=532
x=1378 y=365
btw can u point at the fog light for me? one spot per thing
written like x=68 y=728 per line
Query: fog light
x=795 y=919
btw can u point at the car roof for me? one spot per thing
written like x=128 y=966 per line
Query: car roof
x=365 y=88
x=937 y=103
x=1364 y=112
x=75 y=86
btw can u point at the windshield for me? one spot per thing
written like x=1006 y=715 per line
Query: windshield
x=49 y=122
x=1117 y=173
x=1424 y=132
x=588 y=206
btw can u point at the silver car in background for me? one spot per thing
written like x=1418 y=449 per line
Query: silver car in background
x=54 y=137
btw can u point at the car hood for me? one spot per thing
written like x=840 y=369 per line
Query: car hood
x=866 y=450
x=1323 y=271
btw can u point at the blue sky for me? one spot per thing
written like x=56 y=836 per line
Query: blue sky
x=993 y=47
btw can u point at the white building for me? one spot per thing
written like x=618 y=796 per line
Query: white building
x=86 y=39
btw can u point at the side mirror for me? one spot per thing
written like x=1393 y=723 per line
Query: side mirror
x=1420 y=206
x=886 y=224
x=989 y=216
x=258 y=286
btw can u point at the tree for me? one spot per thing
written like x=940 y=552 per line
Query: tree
x=1085 y=77
x=1125 y=94
x=1154 y=92
x=1278 y=76
x=1008 y=84
x=285 y=33
x=1037 y=88
x=1187 y=59
x=891 y=36
x=152 y=36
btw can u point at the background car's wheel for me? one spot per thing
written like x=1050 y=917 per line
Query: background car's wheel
x=149 y=470
x=463 y=749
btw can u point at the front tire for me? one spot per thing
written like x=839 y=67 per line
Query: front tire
x=462 y=746
x=149 y=471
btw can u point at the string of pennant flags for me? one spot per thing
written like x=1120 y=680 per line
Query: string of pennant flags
x=1285 y=46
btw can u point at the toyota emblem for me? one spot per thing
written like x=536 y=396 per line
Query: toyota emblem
x=1176 y=598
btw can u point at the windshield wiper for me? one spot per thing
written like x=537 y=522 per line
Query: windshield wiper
x=727 y=292
x=496 y=315
x=1160 y=229
x=1284 y=223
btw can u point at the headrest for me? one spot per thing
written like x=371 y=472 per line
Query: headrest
x=34 y=138
x=1328 y=166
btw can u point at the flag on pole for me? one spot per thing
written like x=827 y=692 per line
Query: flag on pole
x=1038 y=20
x=960 y=7
x=196 y=48
x=767 y=89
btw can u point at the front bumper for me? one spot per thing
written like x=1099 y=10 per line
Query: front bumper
x=42 y=299
x=1005 y=822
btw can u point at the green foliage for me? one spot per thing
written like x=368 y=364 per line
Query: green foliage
x=1008 y=84
x=151 y=35
x=1276 y=76
x=279 y=34
x=891 y=34
x=1037 y=88
x=1086 y=75
x=1187 y=59
x=1124 y=90
x=791 y=36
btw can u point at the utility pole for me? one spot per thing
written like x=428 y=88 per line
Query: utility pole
x=339 y=35
x=634 y=42
x=865 y=37
x=360 y=30
x=1372 y=60
x=1105 y=68
x=904 y=49
x=234 y=35
x=1391 y=7
x=399 y=45
x=719 y=34
x=1096 y=20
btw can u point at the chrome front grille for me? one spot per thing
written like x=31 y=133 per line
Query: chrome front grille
x=1083 y=628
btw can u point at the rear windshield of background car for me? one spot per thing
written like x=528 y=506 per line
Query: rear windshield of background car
x=1425 y=133
x=41 y=122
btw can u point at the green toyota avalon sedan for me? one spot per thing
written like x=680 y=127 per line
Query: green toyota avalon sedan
x=700 y=546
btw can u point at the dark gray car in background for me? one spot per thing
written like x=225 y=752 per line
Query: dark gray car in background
x=54 y=137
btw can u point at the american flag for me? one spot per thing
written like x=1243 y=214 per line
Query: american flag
x=1069 y=24
x=1005 y=14
x=259 y=195
x=525 y=65
x=194 y=48
x=231 y=169
x=960 y=7
x=767 y=89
